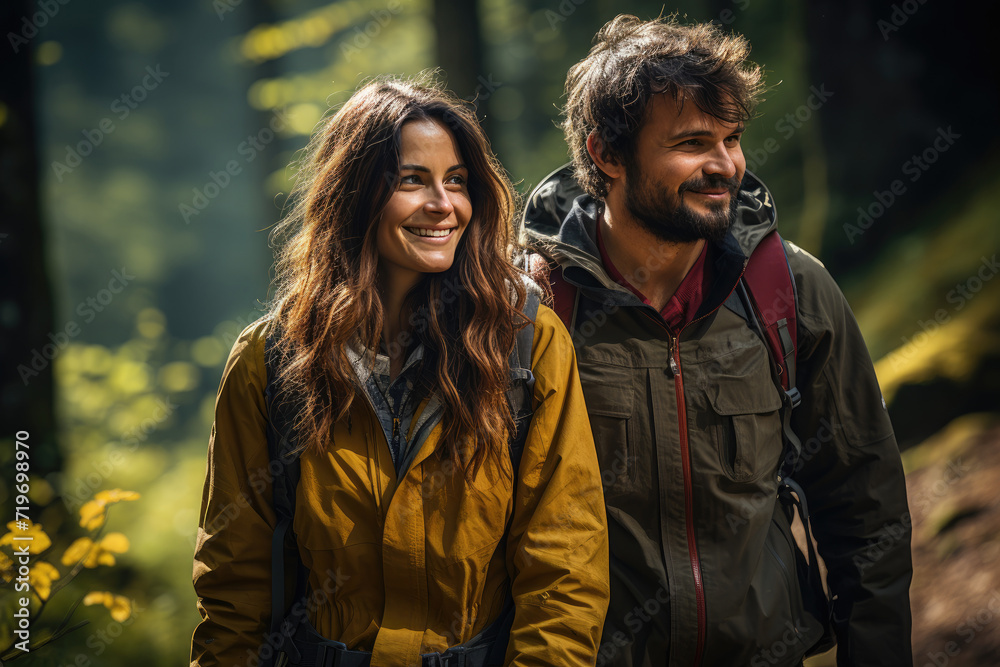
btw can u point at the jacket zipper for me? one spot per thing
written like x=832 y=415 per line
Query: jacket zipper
x=699 y=584
x=675 y=369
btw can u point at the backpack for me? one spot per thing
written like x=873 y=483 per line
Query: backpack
x=291 y=640
x=767 y=274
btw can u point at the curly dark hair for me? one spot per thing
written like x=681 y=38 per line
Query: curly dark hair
x=631 y=60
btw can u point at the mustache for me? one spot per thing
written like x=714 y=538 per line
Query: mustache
x=711 y=183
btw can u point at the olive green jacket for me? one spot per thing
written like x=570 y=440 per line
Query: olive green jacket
x=688 y=432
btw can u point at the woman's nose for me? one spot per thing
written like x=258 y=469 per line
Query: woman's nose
x=439 y=202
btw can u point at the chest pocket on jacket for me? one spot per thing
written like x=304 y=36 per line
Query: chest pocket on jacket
x=610 y=401
x=747 y=423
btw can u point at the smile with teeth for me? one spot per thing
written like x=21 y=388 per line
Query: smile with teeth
x=435 y=233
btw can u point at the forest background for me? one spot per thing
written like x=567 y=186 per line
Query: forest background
x=146 y=150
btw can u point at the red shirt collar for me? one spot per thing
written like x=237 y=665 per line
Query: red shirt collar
x=683 y=305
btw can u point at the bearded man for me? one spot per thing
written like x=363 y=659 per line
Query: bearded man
x=643 y=242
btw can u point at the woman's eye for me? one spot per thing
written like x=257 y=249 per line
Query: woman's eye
x=459 y=180
x=409 y=179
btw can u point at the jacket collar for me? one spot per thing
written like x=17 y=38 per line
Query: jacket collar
x=560 y=221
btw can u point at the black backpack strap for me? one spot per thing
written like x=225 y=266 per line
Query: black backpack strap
x=283 y=466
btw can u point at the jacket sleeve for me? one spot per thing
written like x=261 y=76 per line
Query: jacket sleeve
x=232 y=557
x=557 y=548
x=852 y=475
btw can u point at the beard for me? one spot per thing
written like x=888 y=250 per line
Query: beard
x=665 y=215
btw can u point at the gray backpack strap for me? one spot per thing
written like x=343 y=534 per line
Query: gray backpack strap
x=522 y=382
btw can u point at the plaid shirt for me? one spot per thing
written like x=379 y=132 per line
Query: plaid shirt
x=395 y=401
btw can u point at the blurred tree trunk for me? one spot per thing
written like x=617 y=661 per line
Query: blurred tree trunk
x=30 y=340
x=900 y=75
x=459 y=51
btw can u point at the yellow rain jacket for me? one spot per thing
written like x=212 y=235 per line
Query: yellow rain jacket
x=409 y=566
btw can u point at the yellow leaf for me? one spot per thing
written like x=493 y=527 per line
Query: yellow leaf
x=115 y=495
x=37 y=541
x=115 y=542
x=97 y=597
x=6 y=568
x=41 y=577
x=78 y=550
x=92 y=514
x=121 y=608
x=93 y=558
x=46 y=570
x=103 y=558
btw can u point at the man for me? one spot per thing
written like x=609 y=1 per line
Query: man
x=646 y=267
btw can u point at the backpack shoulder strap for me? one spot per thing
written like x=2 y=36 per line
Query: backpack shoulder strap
x=771 y=310
x=519 y=396
x=772 y=287
x=283 y=467
x=559 y=294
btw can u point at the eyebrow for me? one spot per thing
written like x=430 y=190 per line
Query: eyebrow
x=420 y=167
x=691 y=134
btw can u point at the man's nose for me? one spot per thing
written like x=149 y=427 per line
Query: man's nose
x=721 y=162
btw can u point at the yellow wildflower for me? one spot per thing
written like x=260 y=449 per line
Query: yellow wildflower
x=41 y=577
x=38 y=541
x=94 y=512
x=120 y=606
x=94 y=554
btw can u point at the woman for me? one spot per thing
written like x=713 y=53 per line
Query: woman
x=396 y=316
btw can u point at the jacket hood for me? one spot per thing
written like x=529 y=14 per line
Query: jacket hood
x=548 y=226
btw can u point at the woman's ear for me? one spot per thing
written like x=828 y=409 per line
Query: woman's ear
x=611 y=167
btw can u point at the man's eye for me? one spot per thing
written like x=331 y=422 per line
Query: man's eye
x=735 y=139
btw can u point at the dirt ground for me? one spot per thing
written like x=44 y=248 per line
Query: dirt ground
x=953 y=487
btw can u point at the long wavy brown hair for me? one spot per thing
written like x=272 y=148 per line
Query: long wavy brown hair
x=327 y=265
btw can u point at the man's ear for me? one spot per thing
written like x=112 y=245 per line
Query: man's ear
x=610 y=166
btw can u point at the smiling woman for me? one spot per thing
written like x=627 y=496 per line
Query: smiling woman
x=447 y=498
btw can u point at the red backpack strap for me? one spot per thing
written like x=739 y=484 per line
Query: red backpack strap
x=561 y=296
x=772 y=289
